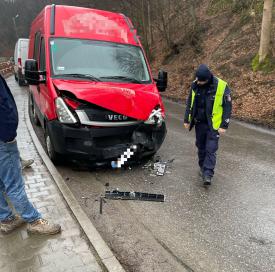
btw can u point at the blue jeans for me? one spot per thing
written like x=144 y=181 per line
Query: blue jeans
x=12 y=185
x=207 y=142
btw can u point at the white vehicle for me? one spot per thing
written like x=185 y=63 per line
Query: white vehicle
x=20 y=56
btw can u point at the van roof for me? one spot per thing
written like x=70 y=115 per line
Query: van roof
x=85 y=23
x=23 y=40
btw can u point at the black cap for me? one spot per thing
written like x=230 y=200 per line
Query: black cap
x=203 y=73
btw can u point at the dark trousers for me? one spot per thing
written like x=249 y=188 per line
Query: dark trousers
x=207 y=142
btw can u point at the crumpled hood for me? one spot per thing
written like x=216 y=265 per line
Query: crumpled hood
x=132 y=100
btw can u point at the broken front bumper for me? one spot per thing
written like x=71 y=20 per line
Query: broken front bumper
x=102 y=143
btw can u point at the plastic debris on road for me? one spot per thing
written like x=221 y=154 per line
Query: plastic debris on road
x=158 y=167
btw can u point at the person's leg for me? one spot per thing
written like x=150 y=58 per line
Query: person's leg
x=8 y=221
x=11 y=176
x=201 y=136
x=212 y=144
x=5 y=210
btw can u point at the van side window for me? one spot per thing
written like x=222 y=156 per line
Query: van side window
x=36 y=45
x=42 y=59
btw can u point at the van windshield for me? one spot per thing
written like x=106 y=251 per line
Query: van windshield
x=98 y=61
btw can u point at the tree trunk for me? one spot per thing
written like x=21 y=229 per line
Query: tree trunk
x=266 y=30
x=145 y=27
x=150 y=30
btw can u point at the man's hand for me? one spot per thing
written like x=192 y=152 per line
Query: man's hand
x=221 y=131
x=186 y=125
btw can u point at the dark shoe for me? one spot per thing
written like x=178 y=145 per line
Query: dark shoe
x=42 y=226
x=26 y=163
x=207 y=181
x=8 y=226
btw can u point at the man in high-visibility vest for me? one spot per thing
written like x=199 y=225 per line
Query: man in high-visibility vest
x=208 y=108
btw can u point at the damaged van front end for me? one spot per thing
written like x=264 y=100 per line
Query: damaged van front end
x=92 y=125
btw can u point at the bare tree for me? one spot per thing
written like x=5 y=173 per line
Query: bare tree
x=266 y=30
x=172 y=21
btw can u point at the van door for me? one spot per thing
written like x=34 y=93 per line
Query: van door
x=44 y=93
x=36 y=89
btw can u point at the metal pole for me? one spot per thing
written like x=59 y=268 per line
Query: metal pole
x=15 y=28
x=101 y=204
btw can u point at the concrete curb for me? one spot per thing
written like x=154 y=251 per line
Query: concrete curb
x=104 y=253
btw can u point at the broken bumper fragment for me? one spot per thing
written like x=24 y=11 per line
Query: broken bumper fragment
x=117 y=195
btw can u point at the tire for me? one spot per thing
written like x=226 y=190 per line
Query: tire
x=53 y=155
x=21 y=82
x=32 y=112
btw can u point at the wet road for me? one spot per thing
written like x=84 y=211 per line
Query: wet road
x=228 y=227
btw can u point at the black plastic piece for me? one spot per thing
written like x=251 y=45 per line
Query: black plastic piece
x=117 y=195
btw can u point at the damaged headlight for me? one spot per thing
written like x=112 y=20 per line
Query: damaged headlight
x=155 y=118
x=64 y=114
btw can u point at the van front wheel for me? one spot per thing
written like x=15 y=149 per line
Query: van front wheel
x=55 y=157
x=32 y=112
x=21 y=82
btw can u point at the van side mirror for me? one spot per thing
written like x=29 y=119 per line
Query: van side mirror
x=162 y=81
x=32 y=75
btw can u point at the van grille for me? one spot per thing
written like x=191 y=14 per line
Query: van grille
x=95 y=113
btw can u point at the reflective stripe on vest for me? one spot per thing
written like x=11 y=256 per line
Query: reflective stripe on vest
x=217 y=111
x=192 y=104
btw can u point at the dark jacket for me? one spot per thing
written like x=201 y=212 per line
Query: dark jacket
x=210 y=98
x=8 y=113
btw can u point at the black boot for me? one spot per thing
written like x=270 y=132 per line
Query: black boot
x=201 y=172
x=207 y=181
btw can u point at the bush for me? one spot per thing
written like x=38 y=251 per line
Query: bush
x=241 y=5
x=235 y=6
x=267 y=66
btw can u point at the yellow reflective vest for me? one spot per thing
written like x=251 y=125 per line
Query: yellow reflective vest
x=217 y=111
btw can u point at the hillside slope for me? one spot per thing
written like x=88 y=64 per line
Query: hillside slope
x=229 y=42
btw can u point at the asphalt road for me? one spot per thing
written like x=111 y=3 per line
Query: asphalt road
x=228 y=227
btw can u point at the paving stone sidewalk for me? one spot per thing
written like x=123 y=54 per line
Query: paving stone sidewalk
x=67 y=251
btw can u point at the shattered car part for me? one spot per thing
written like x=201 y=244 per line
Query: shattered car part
x=160 y=167
x=157 y=167
x=155 y=118
x=117 y=195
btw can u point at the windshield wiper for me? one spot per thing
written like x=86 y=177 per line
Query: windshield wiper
x=124 y=78
x=87 y=76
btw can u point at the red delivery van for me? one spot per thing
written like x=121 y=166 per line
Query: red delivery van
x=91 y=88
